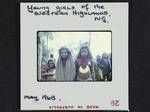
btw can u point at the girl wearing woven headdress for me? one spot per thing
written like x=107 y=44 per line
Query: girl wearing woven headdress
x=65 y=68
x=86 y=69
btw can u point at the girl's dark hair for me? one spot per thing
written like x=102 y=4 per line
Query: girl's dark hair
x=51 y=55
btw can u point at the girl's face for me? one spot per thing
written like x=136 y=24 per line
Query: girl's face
x=84 y=52
x=51 y=64
x=63 y=53
x=105 y=57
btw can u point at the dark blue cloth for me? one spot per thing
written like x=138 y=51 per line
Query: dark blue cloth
x=105 y=66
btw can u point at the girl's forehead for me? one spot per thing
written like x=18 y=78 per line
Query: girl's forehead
x=83 y=49
x=63 y=50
